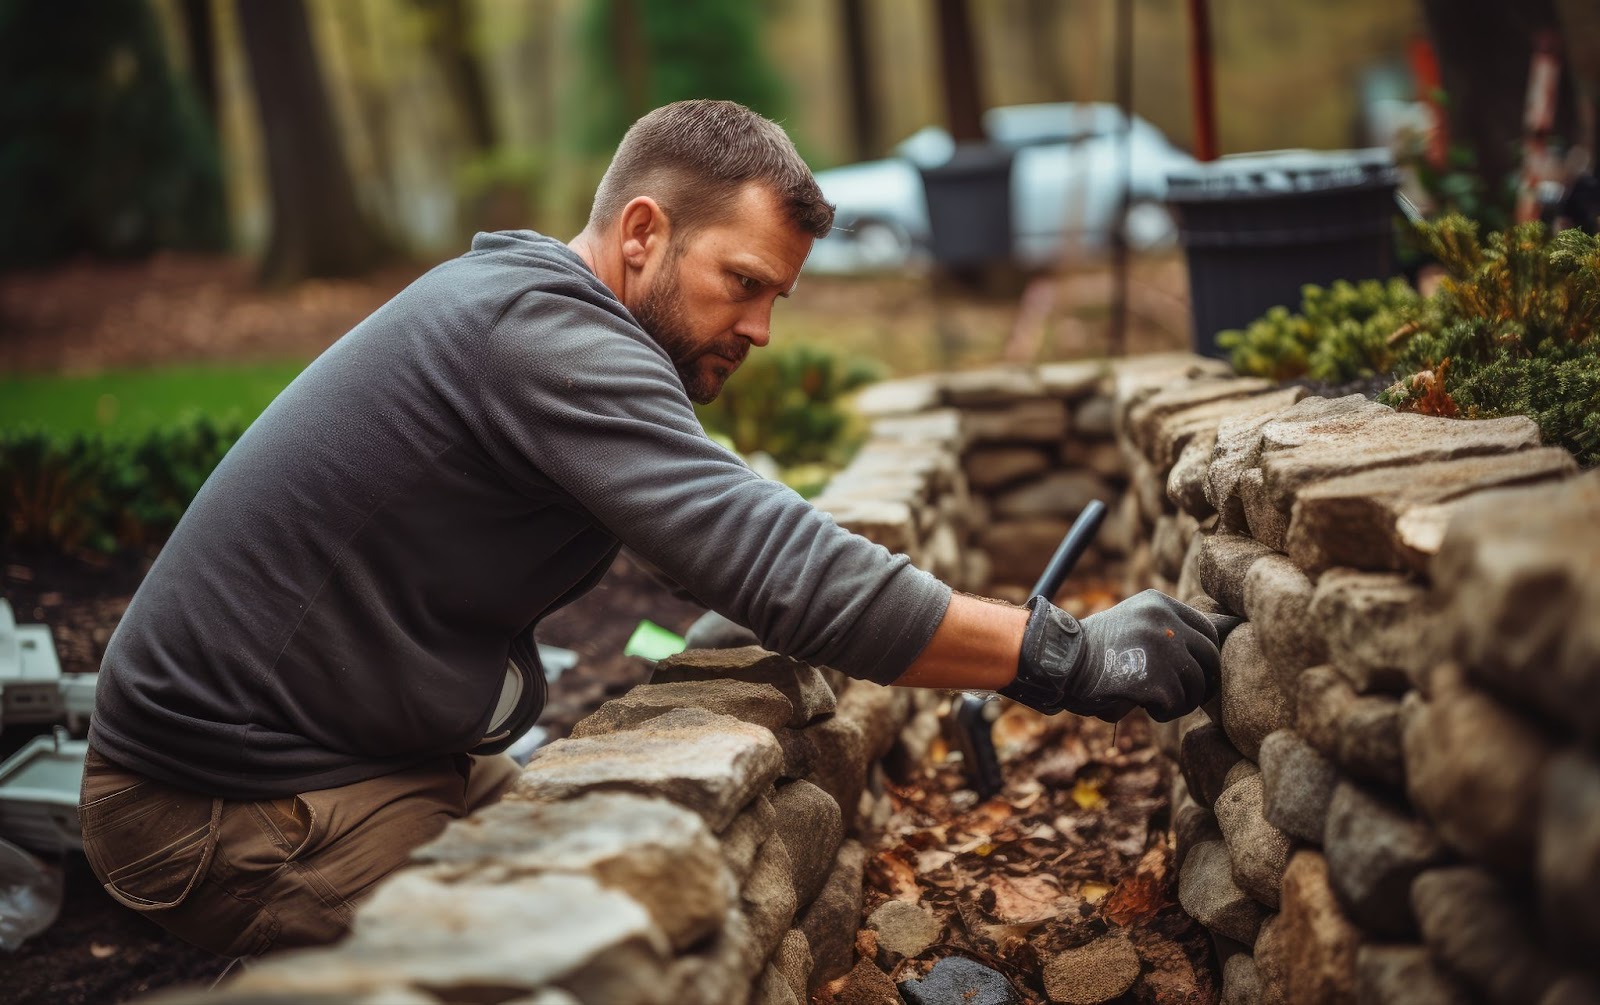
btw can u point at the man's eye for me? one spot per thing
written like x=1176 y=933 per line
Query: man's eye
x=748 y=284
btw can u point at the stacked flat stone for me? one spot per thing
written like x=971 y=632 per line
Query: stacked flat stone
x=1396 y=797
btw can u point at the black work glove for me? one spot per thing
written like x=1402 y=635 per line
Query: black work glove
x=1149 y=650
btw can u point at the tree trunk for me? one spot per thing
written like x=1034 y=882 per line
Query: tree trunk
x=958 y=59
x=450 y=38
x=632 y=56
x=1484 y=49
x=199 y=36
x=317 y=227
x=861 y=94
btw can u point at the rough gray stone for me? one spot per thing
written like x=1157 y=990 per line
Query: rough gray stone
x=1186 y=481
x=1374 y=851
x=879 y=711
x=1148 y=485
x=1018 y=550
x=812 y=826
x=1207 y=890
x=1252 y=705
x=1277 y=600
x=1149 y=421
x=958 y=979
x=1478 y=927
x=792 y=958
x=1041 y=421
x=1170 y=542
x=1268 y=524
x=1188 y=586
x=659 y=854
x=1241 y=439
x=1225 y=561
x=1516 y=577
x=1057 y=494
x=1474 y=767
x=1241 y=983
x=1102 y=457
x=742 y=839
x=1176 y=431
x=1297 y=785
x=772 y=988
x=1322 y=969
x=1573 y=989
x=1273 y=955
x=1074 y=380
x=897 y=397
x=1405 y=975
x=1206 y=756
x=831 y=922
x=940 y=427
x=997 y=385
x=904 y=929
x=1260 y=851
x=1191 y=825
x=1569 y=852
x=1095 y=972
x=991 y=467
x=520 y=935
x=1093 y=417
x=1375 y=437
x=768 y=899
x=713 y=764
x=803 y=685
x=1360 y=733
x=1378 y=520
x=761 y=704
x=1379 y=628
x=719 y=970
x=839 y=762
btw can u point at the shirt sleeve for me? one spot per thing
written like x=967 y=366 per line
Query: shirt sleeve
x=574 y=392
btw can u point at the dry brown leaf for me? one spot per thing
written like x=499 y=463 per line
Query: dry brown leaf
x=1136 y=898
x=933 y=859
x=101 y=951
x=1093 y=892
x=1026 y=899
x=1017 y=730
x=892 y=874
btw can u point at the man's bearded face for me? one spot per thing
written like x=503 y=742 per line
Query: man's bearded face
x=704 y=363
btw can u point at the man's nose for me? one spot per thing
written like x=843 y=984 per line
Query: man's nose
x=756 y=325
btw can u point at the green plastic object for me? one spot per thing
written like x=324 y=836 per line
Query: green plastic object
x=653 y=642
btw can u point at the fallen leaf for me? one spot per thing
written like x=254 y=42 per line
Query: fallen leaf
x=1026 y=899
x=101 y=951
x=933 y=859
x=1135 y=899
x=1087 y=795
x=1092 y=892
x=895 y=876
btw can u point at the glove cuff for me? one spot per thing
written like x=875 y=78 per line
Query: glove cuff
x=1052 y=646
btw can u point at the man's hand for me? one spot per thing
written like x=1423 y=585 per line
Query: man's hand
x=1149 y=650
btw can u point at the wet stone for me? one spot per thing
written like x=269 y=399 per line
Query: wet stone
x=956 y=979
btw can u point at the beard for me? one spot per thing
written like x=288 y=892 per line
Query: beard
x=662 y=316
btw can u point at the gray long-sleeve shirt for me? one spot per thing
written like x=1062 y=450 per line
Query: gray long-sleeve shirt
x=339 y=600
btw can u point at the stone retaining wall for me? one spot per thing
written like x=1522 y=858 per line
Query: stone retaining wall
x=1395 y=799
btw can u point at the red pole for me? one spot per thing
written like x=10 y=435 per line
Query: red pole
x=1200 y=71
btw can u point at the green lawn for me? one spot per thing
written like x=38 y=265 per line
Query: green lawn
x=128 y=403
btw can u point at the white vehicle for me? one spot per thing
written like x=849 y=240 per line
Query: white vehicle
x=1066 y=186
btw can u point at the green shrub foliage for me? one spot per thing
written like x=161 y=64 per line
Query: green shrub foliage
x=1510 y=331
x=85 y=494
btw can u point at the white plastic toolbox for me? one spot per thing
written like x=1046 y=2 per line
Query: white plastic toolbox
x=39 y=793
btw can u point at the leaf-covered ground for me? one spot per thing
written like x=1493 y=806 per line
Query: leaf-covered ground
x=1074 y=848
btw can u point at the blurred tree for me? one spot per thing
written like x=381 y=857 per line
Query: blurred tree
x=317 y=227
x=448 y=33
x=958 y=64
x=666 y=51
x=860 y=93
x=1484 y=49
x=200 y=44
x=103 y=148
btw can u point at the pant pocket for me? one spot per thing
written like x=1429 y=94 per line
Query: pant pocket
x=150 y=845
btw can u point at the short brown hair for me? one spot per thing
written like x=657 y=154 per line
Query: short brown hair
x=691 y=157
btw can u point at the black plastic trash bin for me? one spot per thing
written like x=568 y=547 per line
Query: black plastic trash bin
x=1257 y=227
x=969 y=205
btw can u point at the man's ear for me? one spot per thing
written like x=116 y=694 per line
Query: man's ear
x=645 y=231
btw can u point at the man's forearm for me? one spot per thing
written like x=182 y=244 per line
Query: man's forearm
x=975 y=646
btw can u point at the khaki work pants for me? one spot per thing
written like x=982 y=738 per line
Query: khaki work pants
x=242 y=877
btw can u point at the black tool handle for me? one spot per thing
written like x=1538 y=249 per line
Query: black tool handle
x=1070 y=550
